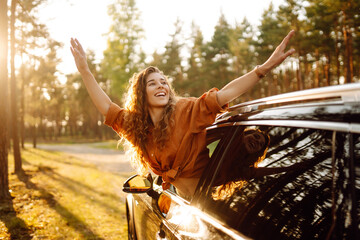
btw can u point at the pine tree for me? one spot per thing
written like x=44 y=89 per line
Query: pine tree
x=122 y=54
x=321 y=25
x=4 y=181
x=217 y=53
x=29 y=32
x=195 y=83
x=289 y=16
x=13 y=94
x=240 y=44
x=270 y=35
x=170 y=60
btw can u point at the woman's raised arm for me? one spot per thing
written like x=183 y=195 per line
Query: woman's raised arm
x=242 y=84
x=97 y=95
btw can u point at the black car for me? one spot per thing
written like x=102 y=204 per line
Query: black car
x=320 y=200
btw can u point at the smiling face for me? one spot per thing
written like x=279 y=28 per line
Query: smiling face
x=157 y=90
x=254 y=142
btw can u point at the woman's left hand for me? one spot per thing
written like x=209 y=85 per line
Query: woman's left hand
x=279 y=55
x=242 y=84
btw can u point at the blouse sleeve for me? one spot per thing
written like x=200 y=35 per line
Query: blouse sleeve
x=115 y=117
x=204 y=110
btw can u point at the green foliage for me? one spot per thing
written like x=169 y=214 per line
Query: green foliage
x=217 y=55
x=170 y=61
x=195 y=82
x=122 y=55
x=241 y=38
x=83 y=118
x=327 y=43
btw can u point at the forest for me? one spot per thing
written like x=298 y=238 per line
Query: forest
x=36 y=106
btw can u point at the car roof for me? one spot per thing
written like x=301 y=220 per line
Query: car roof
x=340 y=103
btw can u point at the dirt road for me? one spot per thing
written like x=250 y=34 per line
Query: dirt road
x=110 y=160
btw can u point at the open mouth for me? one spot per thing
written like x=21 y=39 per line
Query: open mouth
x=160 y=94
x=253 y=144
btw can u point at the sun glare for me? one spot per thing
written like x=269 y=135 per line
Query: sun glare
x=18 y=61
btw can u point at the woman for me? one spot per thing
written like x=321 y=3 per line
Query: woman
x=241 y=163
x=167 y=134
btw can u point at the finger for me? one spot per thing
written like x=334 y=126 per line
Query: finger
x=75 y=53
x=72 y=51
x=73 y=43
x=290 y=52
x=288 y=37
x=79 y=45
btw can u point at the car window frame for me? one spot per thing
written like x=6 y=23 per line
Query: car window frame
x=348 y=128
x=207 y=179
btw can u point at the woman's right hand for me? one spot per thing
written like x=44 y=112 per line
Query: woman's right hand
x=98 y=96
x=79 y=55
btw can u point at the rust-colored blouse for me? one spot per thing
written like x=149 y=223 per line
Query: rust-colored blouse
x=185 y=154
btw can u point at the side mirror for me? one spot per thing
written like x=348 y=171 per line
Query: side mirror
x=137 y=184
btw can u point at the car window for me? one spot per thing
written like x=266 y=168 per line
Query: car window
x=310 y=198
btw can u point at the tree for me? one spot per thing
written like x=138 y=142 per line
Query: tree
x=29 y=36
x=122 y=54
x=13 y=102
x=240 y=44
x=4 y=181
x=270 y=35
x=348 y=13
x=45 y=93
x=217 y=55
x=170 y=60
x=289 y=17
x=195 y=82
x=53 y=90
x=15 y=32
x=241 y=38
x=88 y=117
x=322 y=22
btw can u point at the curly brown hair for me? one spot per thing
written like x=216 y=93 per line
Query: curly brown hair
x=241 y=170
x=137 y=121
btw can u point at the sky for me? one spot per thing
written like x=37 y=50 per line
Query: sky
x=88 y=21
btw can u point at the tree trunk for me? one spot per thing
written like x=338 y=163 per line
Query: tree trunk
x=299 y=77
x=14 y=109
x=349 y=71
x=287 y=80
x=327 y=69
x=317 y=80
x=276 y=84
x=34 y=133
x=337 y=55
x=4 y=179
x=22 y=109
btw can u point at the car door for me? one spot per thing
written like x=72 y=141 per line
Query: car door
x=316 y=201
x=146 y=219
x=184 y=220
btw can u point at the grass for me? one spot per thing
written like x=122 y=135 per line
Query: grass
x=69 y=140
x=61 y=197
x=96 y=143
